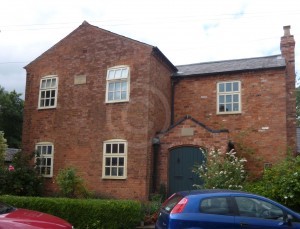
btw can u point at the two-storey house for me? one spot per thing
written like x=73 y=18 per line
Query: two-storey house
x=131 y=122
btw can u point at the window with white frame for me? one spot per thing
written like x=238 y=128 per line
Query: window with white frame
x=48 y=92
x=44 y=158
x=115 y=159
x=117 y=84
x=229 y=97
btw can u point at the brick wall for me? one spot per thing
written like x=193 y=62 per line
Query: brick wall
x=82 y=120
x=259 y=131
x=174 y=137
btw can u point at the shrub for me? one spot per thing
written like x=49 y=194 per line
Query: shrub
x=20 y=178
x=280 y=182
x=150 y=209
x=84 y=213
x=70 y=184
x=221 y=171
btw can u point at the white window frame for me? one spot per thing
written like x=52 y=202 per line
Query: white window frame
x=229 y=96
x=117 y=76
x=45 y=157
x=46 y=90
x=108 y=166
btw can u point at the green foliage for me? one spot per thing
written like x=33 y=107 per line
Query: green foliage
x=20 y=178
x=221 y=171
x=280 y=182
x=163 y=191
x=11 y=117
x=150 y=209
x=3 y=148
x=153 y=205
x=70 y=184
x=84 y=213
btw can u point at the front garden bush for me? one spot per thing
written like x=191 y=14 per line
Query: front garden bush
x=70 y=184
x=20 y=177
x=151 y=208
x=280 y=182
x=221 y=171
x=84 y=213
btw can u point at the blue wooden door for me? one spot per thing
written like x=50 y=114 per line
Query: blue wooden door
x=182 y=161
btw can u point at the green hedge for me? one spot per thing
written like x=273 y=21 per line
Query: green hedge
x=84 y=213
x=281 y=183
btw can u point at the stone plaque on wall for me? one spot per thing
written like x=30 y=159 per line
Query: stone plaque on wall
x=80 y=79
x=187 y=132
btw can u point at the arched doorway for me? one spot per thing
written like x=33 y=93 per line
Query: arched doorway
x=182 y=160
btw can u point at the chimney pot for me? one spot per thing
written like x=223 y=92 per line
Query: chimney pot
x=287 y=30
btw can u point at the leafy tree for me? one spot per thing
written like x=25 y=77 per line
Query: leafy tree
x=11 y=117
x=3 y=147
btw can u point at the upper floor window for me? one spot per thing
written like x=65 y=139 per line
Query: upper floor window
x=48 y=92
x=117 y=86
x=115 y=159
x=44 y=158
x=229 y=97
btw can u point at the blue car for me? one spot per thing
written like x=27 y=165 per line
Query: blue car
x=224 y=209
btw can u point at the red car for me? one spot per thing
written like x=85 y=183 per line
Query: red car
x=15 y=218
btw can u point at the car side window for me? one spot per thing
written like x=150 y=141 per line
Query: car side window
x=216 y=205
x=251 y=207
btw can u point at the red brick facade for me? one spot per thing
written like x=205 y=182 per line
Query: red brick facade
x=82 y=120
x=261 y=127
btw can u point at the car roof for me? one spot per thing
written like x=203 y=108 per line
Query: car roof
x=210 y=191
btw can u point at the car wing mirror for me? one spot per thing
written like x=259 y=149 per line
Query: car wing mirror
x=287 y=220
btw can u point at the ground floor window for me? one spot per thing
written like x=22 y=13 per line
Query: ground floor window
x=44 y=158
x=114 y=159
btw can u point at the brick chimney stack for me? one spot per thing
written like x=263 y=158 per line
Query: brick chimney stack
x=287 y=46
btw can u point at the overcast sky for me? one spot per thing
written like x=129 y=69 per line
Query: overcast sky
x=186 y=31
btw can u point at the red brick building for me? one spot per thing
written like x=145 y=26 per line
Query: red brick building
x=131 y=122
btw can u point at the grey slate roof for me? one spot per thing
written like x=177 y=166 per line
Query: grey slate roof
x=257 y=63
x=9 y=154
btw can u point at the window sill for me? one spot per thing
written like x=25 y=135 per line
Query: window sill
x=229 y=113
x=46 y=108
x=114 y=178
x=117 y=101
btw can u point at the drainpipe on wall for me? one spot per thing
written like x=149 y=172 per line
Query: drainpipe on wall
x=174 y=81
x=156 y=146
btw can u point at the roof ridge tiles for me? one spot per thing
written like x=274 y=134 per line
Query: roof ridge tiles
x=230 y=60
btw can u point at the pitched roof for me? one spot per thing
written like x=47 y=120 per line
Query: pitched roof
x=276 y=61
x=85 y=24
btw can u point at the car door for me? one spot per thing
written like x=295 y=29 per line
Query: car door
x=215 y=213
x=257 y=214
